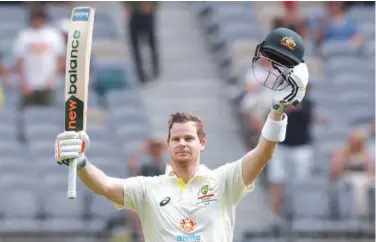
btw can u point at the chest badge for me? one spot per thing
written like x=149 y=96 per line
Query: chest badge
x=205 y=195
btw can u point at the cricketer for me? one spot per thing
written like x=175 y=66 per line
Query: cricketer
x=191 y=202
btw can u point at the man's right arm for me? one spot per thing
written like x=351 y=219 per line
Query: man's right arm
x=126 y=193
x=98 y=182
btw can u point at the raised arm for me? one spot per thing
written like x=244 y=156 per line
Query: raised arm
x=255 y=160
x=125 y=193
x=274 y=129
x=98 y=182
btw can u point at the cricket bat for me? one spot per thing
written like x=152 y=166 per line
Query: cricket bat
x=77 y=78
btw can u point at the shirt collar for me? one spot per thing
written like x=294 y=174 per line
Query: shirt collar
x=170 y=171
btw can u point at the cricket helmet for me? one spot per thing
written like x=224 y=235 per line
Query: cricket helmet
x=276 y=56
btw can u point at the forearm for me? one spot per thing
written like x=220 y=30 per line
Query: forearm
x=255 y=160
x=98 y=182
x=95 y=179
x=265 y=148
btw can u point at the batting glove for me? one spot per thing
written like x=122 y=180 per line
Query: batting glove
x=295 y=92
x=71 y=145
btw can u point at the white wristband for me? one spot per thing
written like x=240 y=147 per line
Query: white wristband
x=275 y=130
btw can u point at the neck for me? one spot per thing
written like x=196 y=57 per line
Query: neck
x=185 y=171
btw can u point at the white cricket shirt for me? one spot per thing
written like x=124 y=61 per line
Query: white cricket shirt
x=40 y=50
x=203 y=210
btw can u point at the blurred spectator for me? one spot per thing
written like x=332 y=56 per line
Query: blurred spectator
x=353 y=166
x=338 y=25
x=150 y=159
x=256 y=102
x=292 y=18
x=142 y=24
x=39 y=52
x=294 y=156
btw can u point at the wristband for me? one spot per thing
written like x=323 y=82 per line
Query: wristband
x=275 y=130
x=82 y=163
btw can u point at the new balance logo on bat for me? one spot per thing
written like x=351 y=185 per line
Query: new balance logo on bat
x=73 y=62
x=74 y=108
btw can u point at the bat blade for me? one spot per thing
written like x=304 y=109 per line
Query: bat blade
x=77 y=78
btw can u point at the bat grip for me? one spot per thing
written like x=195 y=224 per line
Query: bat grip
x=72 y=175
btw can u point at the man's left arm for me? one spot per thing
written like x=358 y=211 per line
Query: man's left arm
x=254 y=161
x=274 y=129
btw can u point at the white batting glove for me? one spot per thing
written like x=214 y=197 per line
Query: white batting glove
x=71 y=145
x=295 y=92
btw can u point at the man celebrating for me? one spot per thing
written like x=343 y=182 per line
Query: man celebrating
x=191 y=202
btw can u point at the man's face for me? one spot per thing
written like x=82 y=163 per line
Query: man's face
x=184 y=145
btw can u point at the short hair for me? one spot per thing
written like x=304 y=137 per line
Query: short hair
x=181 y=117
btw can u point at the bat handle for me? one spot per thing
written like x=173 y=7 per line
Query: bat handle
x=72 y=175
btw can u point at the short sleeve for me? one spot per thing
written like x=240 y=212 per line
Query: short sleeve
x=235 y=188
x=58 y=44
x=134 y=193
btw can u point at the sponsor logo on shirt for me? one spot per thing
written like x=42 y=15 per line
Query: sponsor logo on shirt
x=188 y=225
x=205 y=195
x=165 y=201
x=191 y=238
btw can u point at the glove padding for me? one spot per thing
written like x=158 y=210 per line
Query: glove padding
x=295 y=92
x=70 y=145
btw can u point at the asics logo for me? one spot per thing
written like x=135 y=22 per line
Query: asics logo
x=165 y=201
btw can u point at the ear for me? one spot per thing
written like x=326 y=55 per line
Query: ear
x=203 y=143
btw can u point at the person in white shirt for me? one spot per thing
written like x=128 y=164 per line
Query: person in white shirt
x=190 y=202
x=39 y=52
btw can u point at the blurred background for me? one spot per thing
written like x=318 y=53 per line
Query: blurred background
x=150 y=59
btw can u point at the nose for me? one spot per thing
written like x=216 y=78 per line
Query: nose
x=181 y=143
